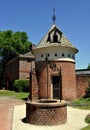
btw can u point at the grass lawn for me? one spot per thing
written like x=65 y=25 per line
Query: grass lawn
x=14 y=95
x=82 y=103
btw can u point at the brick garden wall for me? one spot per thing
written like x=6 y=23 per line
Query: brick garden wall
x=82 y=84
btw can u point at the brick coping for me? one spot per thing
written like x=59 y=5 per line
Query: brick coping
x=48 y=103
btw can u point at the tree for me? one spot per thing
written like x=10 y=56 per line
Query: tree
x=11 y=45
x=88 y=66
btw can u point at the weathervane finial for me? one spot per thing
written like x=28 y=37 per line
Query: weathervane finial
x=53 y=17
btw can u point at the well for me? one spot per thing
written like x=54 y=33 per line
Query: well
x=46 y=112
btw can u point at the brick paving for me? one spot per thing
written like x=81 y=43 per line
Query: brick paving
x=6 y=112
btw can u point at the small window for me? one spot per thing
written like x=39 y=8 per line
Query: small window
x=48 y=40
x=48 y=55
x=73 y=57
x=41 y=55
x=68 y=55
x=55 y=37
x=55 y=54
x=63 y=54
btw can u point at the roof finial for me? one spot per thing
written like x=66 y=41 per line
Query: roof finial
x=53 y=17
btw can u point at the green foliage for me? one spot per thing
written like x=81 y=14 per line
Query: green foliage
x=88 y=66
x=87 y=119
x=82 y=103
x=11 y=45
x=87 y=94
x=21 y=85
x=86 y=128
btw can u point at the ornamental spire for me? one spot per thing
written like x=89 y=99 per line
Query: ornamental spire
x=54 y=17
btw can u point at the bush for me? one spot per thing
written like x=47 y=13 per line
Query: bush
x=87 y=119
x=87 y=95
x=21 y=85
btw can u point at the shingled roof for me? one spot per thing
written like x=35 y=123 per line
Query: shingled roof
x=64 y=42
x=27 y=55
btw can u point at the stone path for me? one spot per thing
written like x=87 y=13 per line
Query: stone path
x=12 y=112
x=6 y=112
x=75 y=120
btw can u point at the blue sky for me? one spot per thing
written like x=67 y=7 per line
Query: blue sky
x=35 y=18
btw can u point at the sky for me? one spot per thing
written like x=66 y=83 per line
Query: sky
x=35 y=18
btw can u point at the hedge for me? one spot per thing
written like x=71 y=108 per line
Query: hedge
x=87 y=95
x=21 y=85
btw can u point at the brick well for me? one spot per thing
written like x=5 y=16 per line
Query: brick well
x=46 y=113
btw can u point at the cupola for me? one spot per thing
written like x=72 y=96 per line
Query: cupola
x=56 y=45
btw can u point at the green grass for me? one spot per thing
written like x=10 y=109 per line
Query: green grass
x=81 y=103
x=14 y=95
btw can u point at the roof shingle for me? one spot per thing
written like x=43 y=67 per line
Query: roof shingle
x=64 y=42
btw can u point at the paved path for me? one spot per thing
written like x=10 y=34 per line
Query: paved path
x=6 y=112
x=12 y=112
x=75 y=120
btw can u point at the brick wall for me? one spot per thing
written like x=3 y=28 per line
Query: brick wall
x=68 y=80
x=18 y=68
x=46 y=114
x=34 y=89
x=24 y=68
x=82 y=84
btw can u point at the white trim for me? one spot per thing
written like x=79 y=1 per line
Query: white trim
x=65 y=59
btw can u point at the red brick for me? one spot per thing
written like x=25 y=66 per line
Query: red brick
x=68 y=79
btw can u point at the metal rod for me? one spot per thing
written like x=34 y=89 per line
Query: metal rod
x=47 y=73
x=30 y=86
x=60 y=85
x=31 y=83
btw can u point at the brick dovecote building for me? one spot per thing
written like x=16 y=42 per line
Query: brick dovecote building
x=55 y=75
x=55 y=53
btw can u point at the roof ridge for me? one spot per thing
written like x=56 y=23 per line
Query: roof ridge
x=64 y=41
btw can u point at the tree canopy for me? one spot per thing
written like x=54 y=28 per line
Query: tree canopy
x=11 y=45
x=88 y=66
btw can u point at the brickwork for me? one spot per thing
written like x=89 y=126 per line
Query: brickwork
x=24 y=68
x=18 y=68
x=68 y=80
x=34 y=86
x=41 y=114
x=82 y=84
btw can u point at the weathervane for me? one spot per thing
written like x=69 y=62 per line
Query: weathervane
x=53 y=17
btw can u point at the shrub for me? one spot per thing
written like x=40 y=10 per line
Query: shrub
x=21 y=85
x=87 y=94
x=87 y=119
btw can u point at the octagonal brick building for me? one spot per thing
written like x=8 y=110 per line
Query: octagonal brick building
x=54 y=74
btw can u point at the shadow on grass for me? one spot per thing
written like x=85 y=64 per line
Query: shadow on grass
x=25 y=99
